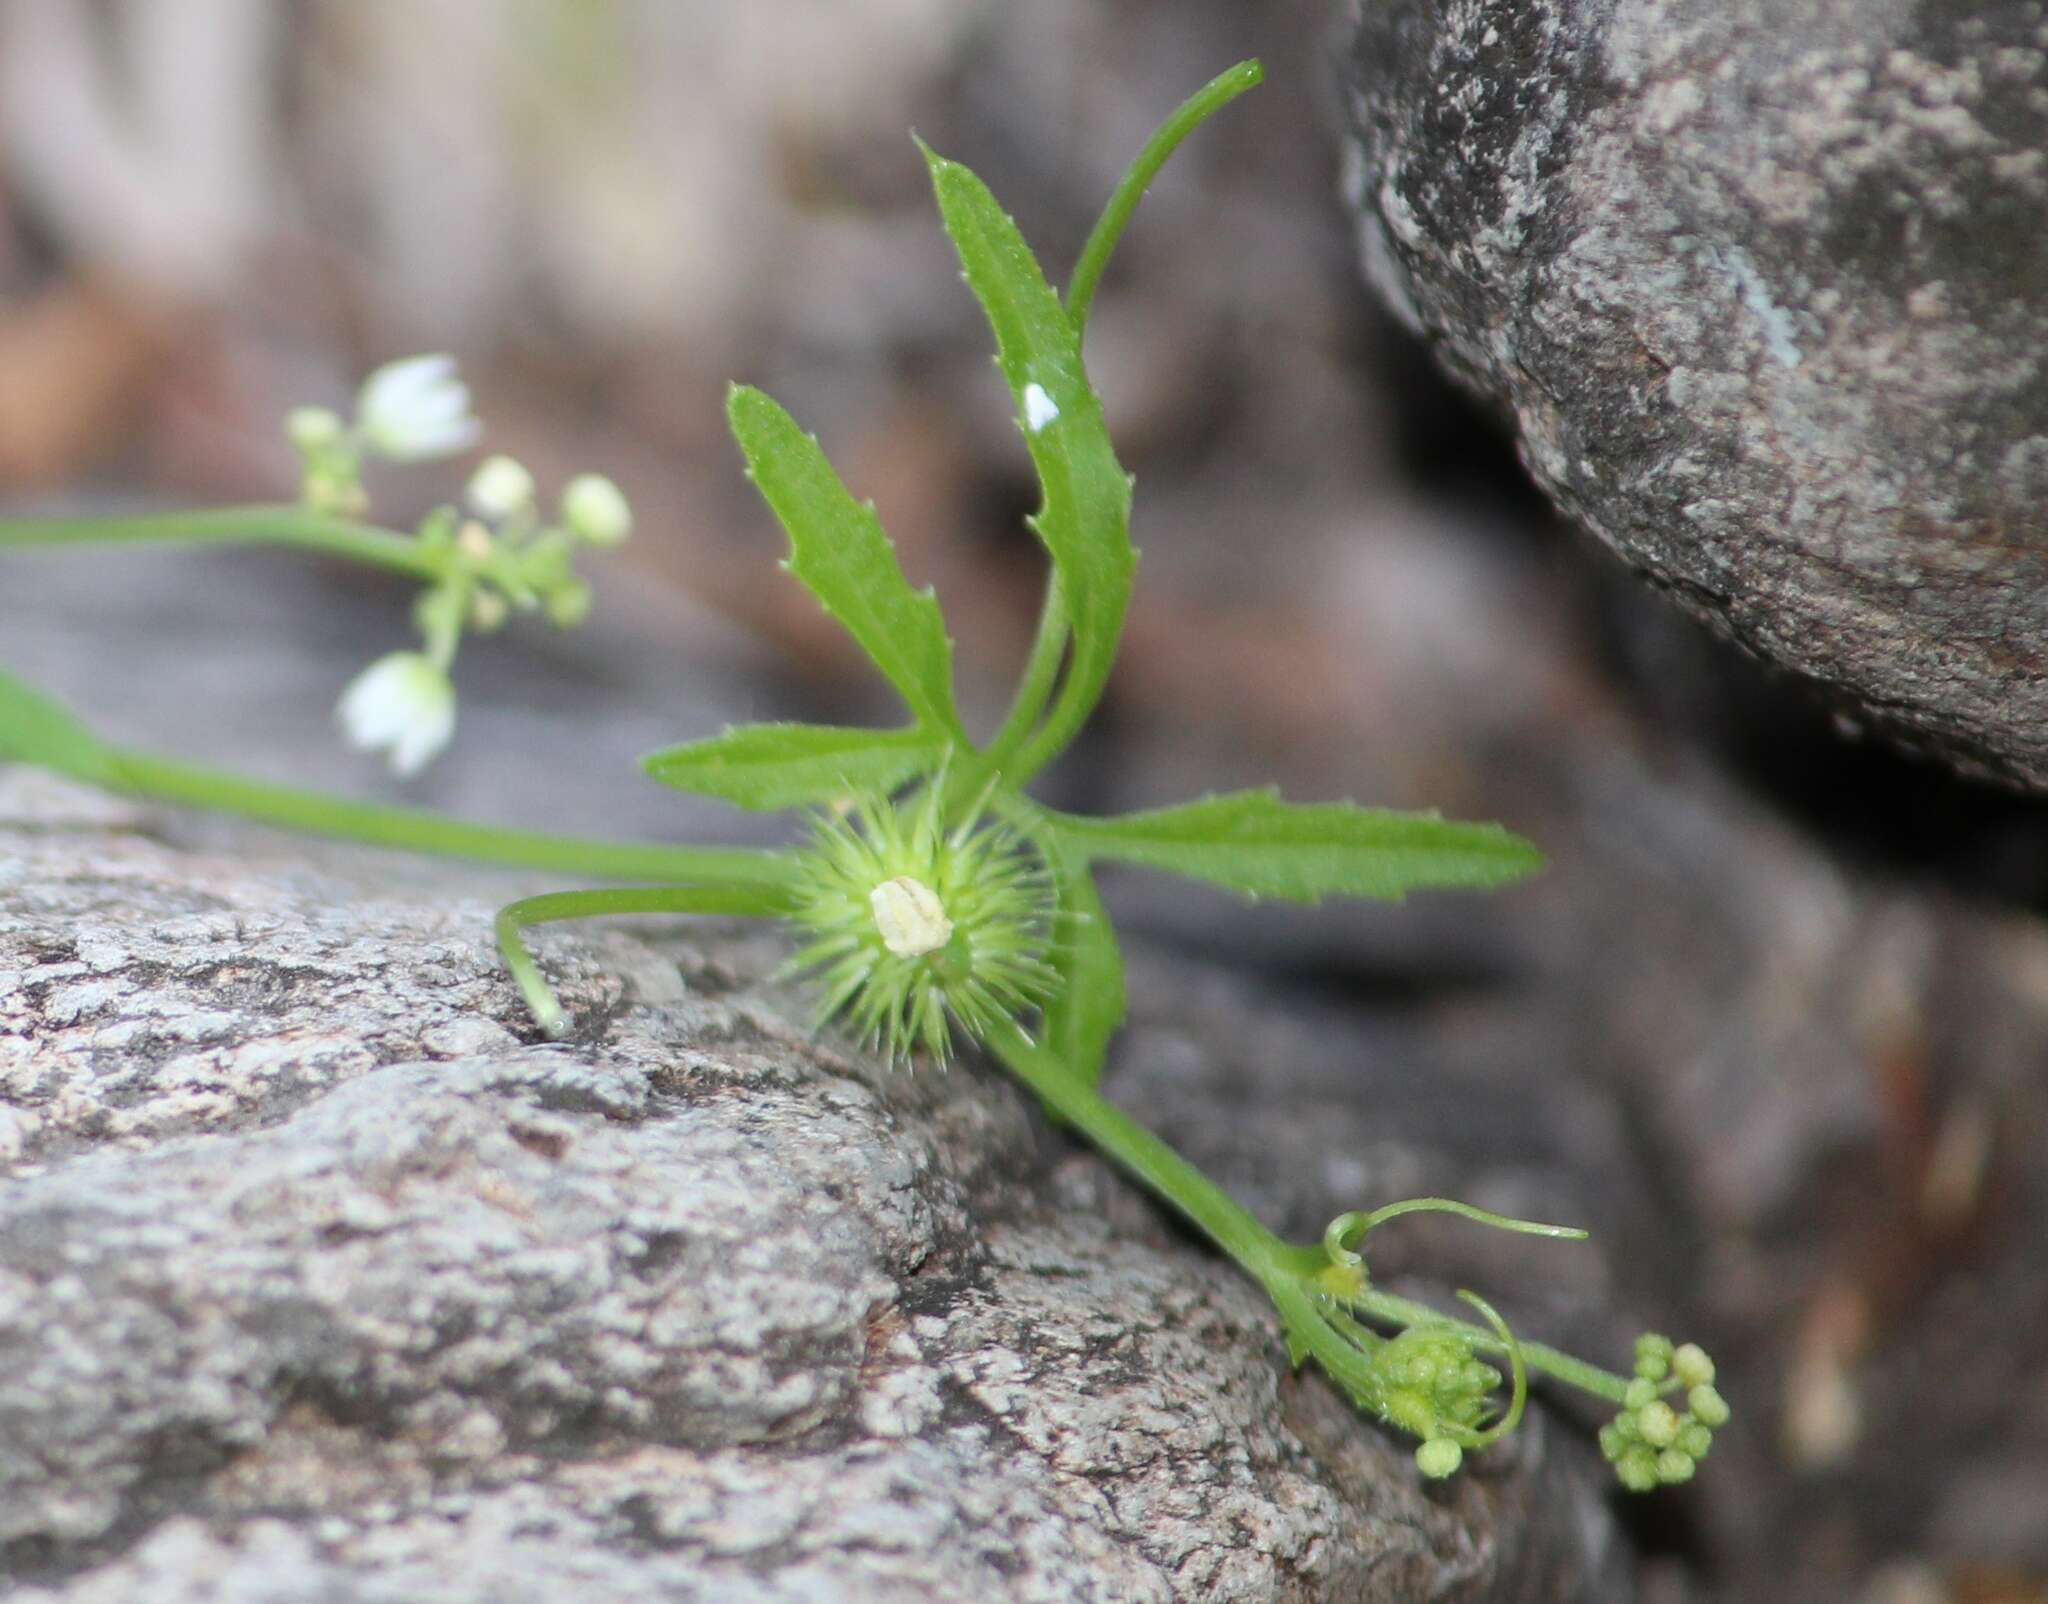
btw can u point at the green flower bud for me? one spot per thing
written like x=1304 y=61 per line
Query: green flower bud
x=568 y=604
x=1640 y=1394
x=1674 y=1467
x=1694 y=1440
x=1637 y=1470
x=1693 y=1366
x=1438 y=1458
x=487 y=611
x=1658 y=1423
x=1708 y=1406
x=1612 y=1443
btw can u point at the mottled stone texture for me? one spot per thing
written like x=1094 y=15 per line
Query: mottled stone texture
x=322 y=1280
x=1765 y=285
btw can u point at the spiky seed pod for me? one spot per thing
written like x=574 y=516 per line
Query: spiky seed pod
x=911 y=924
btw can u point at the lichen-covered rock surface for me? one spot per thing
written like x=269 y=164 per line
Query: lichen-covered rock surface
x=321 y=1279
x=1765 y=285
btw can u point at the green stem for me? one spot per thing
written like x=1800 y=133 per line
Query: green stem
x=1123 y=201
x=1035 y=688
x=1224 y=1220
x=278 y=525
x=1052 y=737
x=556 y=905
x=418 y=830
x=1275 y=1264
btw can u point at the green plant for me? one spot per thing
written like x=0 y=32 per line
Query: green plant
x=933 y=894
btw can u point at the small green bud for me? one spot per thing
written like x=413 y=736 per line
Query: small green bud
x=1637 y=1470
x=568 y=604
x=1674 y=1467
x=1695 y=1441
x=487 y=611
x=1651 y=1346
x=1652 y=1366
x=1612 y=1443
x=1640 y=1394
x=1708 y=1407
x=1693 y=1366
x=1438 y=1458
x=596 y=510
x=1658 y=1423
x=313 y=429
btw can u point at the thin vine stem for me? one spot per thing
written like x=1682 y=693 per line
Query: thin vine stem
x=1218 y=92
x=273 y=525
x=1274 y=1263
x=1035 y=688
x=558 y=905
x=1226 y=1222
x=142 y=774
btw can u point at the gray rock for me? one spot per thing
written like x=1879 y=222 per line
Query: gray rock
x=320 y=1279
x=1765 y=286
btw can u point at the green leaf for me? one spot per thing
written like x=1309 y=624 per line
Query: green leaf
x=1084 y=521
x=1253 y=842
x=34 y=729
x=1089 y=1007
x=838 y=550
x=769 y=766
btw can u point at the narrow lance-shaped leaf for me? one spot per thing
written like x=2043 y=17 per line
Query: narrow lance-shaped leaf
x=838 y=550
x=34 y=729
x=1251 y=841
x=1085 y=518
x=1089 y=1007
x=770 y=766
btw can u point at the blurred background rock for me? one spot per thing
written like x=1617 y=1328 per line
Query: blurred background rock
x=1791 y=991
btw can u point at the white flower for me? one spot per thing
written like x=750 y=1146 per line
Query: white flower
x=416 y=409
x=500 y=488
x=403 y=702
x=596 y=510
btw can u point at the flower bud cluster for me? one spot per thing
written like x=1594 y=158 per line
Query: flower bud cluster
x=1668 y=1418
x=1436 y=1387
x=503 y=555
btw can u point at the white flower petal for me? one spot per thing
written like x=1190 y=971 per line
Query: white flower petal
x=401 y=703
x=415 y=409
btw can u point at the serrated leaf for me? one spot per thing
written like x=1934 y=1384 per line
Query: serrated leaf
x=838 y=550
x=770 y=766
x=1084 y=521
x=1251 y=841
x=34 y=729
x=1089 y=1007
